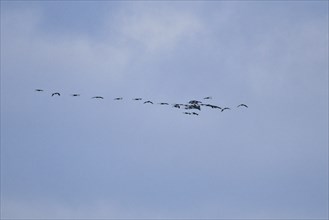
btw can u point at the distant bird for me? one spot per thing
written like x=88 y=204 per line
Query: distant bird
x=194 y=113
x=97 y=97
x=56 y=93
x=226 y=108
x=208 y=97
x=194 y=102
x=120 y=98
x=137 y=99
x=215 y=106
x=148 y=102
x=244 y=105
x=176 y=105
x=193 y=106
x=163 y=103
x=75 y=94
x=187 y=113
x=39 y=90
x=211 y=106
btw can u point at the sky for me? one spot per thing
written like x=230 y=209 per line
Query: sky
x=81 y=158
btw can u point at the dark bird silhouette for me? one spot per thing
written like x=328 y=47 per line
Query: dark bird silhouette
x=194 y=113
x=148 y=102
x=226 y=108
x=137 y=99
x=97 y=97
x=56 y=93
x=176 y=105
x=120 y=98
x=211 y=106
x=75 y=94
x=193 y=106
x=163 y=103
x=215 y=106
x=187 y=113
x=39 y=90
x=194 y=102
x=208 y=97
x=244 y=105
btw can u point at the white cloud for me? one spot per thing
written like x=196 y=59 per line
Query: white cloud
x=53 y=56
x=160 y=29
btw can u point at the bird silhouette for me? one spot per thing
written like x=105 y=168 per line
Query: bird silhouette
x=211 y=106
x=187 y=113
x=56 y=93
x=148 y=102
x=75 y=94
x=194 y=102
x=137 y=99
x=208 y=97
x=244 y=105
x=194 y=113
x=226 y=108
x=163 y=103
x=120 y=98
x=176 y=105
x=97 y=97
x=39 y=90
x=193 y=106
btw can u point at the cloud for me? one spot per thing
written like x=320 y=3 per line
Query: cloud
x=129 y=160
x=160 y=29
x=56 y=57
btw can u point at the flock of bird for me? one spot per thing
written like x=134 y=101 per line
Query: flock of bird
x=189 y=108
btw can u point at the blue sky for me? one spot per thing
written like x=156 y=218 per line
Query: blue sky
x=76 y=157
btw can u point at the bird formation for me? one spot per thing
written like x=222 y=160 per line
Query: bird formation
x=190 y=107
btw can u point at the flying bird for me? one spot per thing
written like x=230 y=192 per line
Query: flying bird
x=211 y=106
x=137 y=99
x=193 y=106
x=194 y=102
x=39 y=90
x=208 y=97
x=56 y=93
x=187 y=113
x=120 y=98
x=163 y=103
x=97 y=97
x=148 y=102
x=244 y=105
x=194 y=113
x=75 y=94
x=176 y=105
x=215 y=106
x=226 y=108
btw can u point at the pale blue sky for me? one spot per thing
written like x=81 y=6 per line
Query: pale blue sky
x=76 y=157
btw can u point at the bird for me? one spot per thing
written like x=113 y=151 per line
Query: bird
x=194 y=102
x=39 y=90
x=120 y=98
x=194 y=113
x=193 y=106
x=137 y=99
x=148 y=102
x=97 y=97
x=212 y=106
x=163 y=103
x=187 y=113
x=75 y=94
x=244 y=105
x=56 y=93
x=176 y=105
x=226 y=108
x=215 y=106
x=208 y=97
